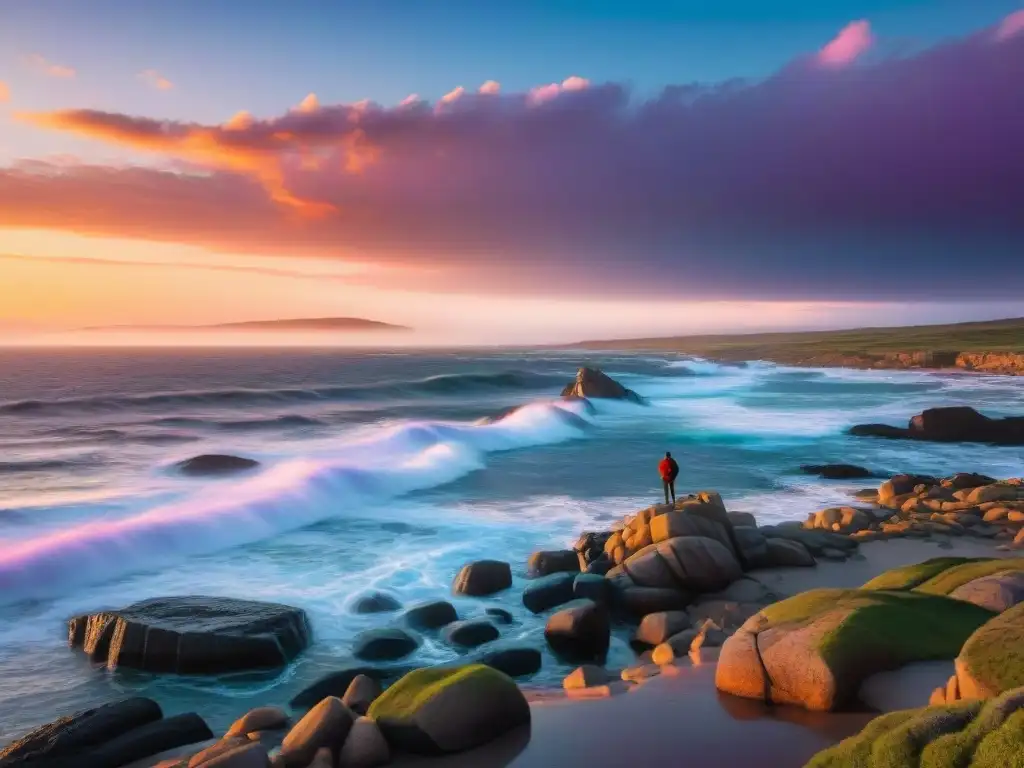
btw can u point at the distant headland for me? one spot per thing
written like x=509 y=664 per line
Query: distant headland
x=292 y=325
x=994 y=346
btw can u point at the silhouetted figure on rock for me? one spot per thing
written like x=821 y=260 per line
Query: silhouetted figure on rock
x=669 y=471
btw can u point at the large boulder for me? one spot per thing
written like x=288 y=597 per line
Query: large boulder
x=815 y=649
x=992 y=659
x=688 y=563
x=579 y=632
x=78 y=732
x=815 y=541
x=656 y=628
x=325 y=726
x=547 y=562
x=482 y=578
x=193 y=635
x=967 y=735
x=954 y=424
x=549 y=591
x=444 y=710
x=839 y=519
x=590 y=382
x=998 y=592
x=783 y=553
x=365 y=746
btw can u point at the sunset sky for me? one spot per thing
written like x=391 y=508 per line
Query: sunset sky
x=542 y=170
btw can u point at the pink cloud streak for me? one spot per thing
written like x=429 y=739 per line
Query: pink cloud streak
x=852 y=41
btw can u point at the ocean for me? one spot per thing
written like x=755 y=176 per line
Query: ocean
x=383 y=470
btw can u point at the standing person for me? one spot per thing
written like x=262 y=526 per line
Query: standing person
x=669 y=471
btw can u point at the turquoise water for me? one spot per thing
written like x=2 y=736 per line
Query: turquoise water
x=378 y=472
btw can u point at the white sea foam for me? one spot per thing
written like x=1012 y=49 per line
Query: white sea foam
x=288 y=494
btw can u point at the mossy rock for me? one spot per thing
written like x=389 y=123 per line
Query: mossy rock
x=943 y=575
x=816 y=648
x=440 y=710
x=952 y=578
x=910 y=576
x=965 y=735
x=992 y=659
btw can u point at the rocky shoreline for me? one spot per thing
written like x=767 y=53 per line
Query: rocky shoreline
x=691 y=582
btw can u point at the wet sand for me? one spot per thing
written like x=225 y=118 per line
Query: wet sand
x=873 y=558
x=676 y=719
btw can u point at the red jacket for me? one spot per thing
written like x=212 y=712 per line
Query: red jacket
x=668 y=469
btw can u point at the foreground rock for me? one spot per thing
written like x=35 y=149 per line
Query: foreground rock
x=992 y=659
x=590 y=382
x=193 y=635
x=691 y=564
x=445 y=710
x=972 y=735
x=326 y=725
x=957 y=424
x=815 y=649
x=114 y=734
x=213 y=465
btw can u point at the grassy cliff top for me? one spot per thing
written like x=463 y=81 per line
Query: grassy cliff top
x=988 y=336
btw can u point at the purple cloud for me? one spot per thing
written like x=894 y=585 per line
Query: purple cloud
x=898 y=177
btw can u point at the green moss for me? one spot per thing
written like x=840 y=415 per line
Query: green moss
x=855 y=752
x=901 y=626
x=947 y=581
x=1004 y=747
x=404 y=698
x=801 y=607
x=964 y=735
x=910 y=576
x=995 y=653
x=904 y=745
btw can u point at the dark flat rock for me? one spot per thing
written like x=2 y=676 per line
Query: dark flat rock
x=83 y=730
x=836 y=471
x=214 y=464
x=193 y=635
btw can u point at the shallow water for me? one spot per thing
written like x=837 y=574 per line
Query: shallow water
x=377 y=474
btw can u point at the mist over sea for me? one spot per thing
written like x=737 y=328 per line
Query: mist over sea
x=383 y=471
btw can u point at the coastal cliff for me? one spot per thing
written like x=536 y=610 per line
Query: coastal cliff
x=995 y=347
x=1004 y=363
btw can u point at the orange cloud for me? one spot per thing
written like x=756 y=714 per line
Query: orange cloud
x=41 y=64
x=848 y=45
x=491 y=87
x=5 y=92
x=214 y=147
x=154 y=79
